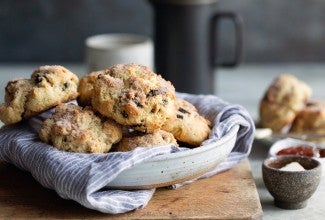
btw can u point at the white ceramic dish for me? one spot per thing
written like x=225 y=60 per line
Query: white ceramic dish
x=165 y=170
x=291 y=142
x=286 y=143
x=266 y=137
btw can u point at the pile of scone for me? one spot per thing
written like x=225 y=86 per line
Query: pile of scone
x=287 y=107
x=119 y=109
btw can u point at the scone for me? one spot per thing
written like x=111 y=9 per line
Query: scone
x=16 y=93
x=138 y=139
x=76 y=129
x=284 y=98
x=47 y=87
x=275 y=116
x=187 y=125
x=86 y=87
x=52 y=85
x=134 y=96
x=311 y=119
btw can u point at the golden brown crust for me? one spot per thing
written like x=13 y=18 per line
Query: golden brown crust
x=134 y=96
x=284 y=98
x=138 y=139
x=47 y=87
x=13 y=109
x=287 y=90
x=86 y=88
x=311 y=119
x=275 y=116
x=52 y=85
x=76 y=129
x=187 y=125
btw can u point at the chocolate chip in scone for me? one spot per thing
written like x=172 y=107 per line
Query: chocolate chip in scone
x=124 y=114
x=139 y=126
x=137 y=101
x=65 y=86
x=138 y=104
x=179 y=116
x=38 y=78
x=153 y=93
x=183 y=110
x=164 y=102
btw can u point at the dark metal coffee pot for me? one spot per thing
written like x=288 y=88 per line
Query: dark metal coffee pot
x=186 y=42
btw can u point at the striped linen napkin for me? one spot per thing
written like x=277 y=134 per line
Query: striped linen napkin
x=83 y=177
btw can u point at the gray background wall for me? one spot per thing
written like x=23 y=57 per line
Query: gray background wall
x=55 y=30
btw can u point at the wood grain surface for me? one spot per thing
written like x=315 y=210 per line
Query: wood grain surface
x=229 y=195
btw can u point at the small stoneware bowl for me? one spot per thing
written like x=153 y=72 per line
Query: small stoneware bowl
x=291 y=189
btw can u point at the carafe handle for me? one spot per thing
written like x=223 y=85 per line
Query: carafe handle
x=238 y=24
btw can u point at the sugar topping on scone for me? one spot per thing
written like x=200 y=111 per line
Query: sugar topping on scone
x=47 y=87
x=76 y=129
x=134 y=96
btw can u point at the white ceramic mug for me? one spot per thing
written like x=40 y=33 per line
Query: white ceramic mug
x=105 y=50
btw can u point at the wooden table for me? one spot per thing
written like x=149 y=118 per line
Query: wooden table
x=229 y=195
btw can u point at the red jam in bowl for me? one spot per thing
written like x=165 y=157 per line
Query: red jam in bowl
x=321 y=152
x=297 y=150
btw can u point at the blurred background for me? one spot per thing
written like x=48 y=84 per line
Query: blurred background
x=55 y=30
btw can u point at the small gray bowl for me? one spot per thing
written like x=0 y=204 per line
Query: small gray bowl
x=291 y=189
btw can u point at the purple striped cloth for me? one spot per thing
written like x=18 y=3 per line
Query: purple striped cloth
x=83 y=177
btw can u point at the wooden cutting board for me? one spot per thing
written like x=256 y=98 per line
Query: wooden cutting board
x=229 y=195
